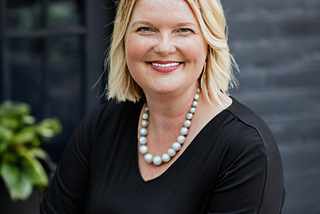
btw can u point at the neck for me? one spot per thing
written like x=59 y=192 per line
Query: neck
x=170 y=109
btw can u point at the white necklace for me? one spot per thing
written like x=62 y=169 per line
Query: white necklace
x=143 y=148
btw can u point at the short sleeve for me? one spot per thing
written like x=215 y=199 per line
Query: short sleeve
x=241 y=184
x=68 y=188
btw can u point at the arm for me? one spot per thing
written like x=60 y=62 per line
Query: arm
x=68 y=188
x=250 y=176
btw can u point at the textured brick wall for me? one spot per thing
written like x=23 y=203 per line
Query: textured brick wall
x=277 y=45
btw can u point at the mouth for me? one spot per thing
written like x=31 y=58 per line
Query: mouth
x=165 y=65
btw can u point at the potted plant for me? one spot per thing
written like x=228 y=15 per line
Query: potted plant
x=20 y=151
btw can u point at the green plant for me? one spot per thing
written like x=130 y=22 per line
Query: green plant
x=20 y=140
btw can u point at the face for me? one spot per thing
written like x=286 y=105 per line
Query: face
x=164 y=46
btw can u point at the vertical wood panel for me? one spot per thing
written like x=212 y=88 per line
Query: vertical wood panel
x=5 y=75
x=98 y=18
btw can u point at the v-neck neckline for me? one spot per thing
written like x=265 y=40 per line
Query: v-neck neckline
x=181 y=156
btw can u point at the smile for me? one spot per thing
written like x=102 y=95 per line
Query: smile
x=167 y=65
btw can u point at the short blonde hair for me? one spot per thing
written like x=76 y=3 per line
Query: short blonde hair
x=217 y=75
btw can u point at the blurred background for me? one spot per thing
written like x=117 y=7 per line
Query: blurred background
x=52 y=54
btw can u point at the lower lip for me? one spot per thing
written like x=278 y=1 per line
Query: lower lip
x=165 y=69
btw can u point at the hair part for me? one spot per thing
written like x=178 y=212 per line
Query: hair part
x=217 y=75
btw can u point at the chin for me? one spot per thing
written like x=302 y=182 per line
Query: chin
x=163 y=90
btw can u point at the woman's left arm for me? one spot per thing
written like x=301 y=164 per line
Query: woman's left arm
x=250 y=176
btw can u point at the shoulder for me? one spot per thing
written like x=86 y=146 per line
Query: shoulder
x=256 y=133
x=111 y=110
x=106 y=115
x=249 y=164
x=250 y=121
x=257 y=128
x=243 y=134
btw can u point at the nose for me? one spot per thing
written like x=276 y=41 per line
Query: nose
x=164 y=46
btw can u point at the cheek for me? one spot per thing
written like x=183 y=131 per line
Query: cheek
x=136 y=49
x=132 y=51
x=194 y=50
x=201 y=50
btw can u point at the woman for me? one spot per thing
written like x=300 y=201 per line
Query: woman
x=170 y=139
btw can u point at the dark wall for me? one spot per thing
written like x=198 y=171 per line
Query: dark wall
x=277 y=45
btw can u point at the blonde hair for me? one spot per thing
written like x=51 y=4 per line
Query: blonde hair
x=217 y=75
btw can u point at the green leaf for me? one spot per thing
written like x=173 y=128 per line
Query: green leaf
x=25 y=135
x=49 y=127
x=43 y=178
x=33 y=167
x=22 y=151
x=5 y=107
x=24 y=189
x=6 y=135
x=20 y=181
x=29 y=120
x=30 y=171
x=17 y=183
x=20 y=139
x=9 y=173
x=14 y=108
x=19 y=108
x=39 y=153
x=46 y=132
x=10 y=122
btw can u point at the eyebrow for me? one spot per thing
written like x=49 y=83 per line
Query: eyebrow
x=140 y=22
x=180 y=24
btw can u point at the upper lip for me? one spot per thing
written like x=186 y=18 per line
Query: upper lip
x=164 y=62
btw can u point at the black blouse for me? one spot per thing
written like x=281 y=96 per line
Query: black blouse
x=232 y=166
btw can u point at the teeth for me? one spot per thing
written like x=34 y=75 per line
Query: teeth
x=165 y=65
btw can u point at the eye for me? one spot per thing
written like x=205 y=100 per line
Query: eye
x=185 y=30
x=144 y=29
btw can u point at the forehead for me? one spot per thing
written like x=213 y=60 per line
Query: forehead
x=163 y=10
